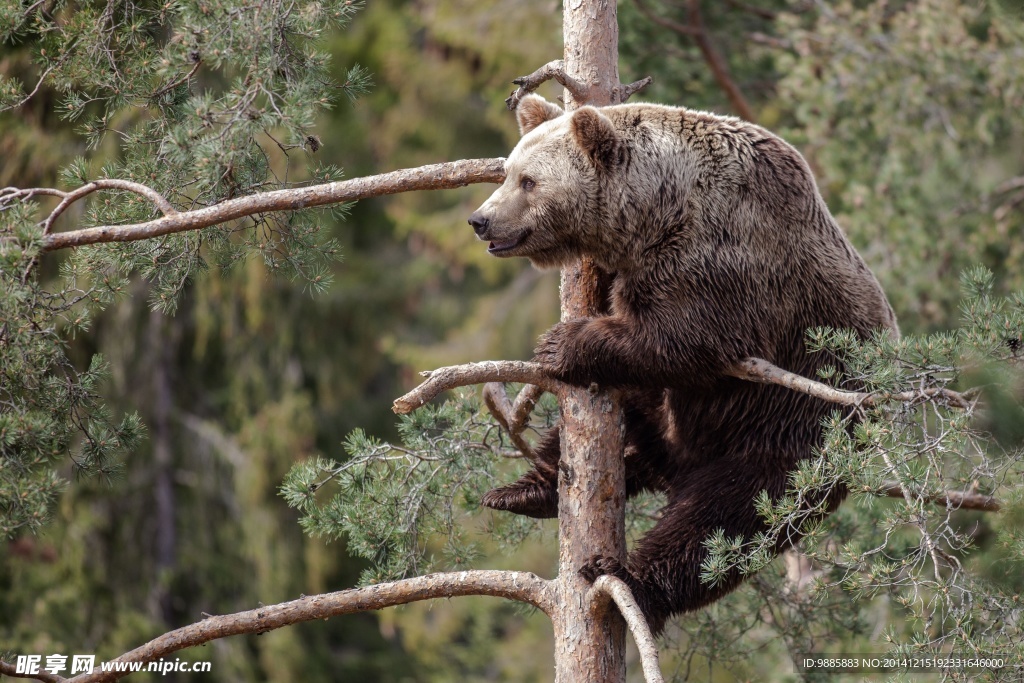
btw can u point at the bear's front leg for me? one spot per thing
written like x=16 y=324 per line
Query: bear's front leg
x=604 y=350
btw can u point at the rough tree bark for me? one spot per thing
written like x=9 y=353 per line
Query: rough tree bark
x=590 y=638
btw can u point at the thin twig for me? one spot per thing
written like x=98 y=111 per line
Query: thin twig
x=619 y=592
x=34 y=90
x=175 y=84
x=919 y=522
x=954 y=500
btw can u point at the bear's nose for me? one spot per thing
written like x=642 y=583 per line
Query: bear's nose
x=479 y=223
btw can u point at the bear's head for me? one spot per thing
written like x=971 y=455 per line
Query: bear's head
x=549 y=208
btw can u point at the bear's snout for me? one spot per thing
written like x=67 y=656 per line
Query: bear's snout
x=480 y=223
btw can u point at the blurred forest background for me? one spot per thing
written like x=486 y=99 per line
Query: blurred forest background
x=910 y=114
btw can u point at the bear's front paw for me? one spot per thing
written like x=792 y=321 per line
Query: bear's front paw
x=559 y=351
x=600 y=565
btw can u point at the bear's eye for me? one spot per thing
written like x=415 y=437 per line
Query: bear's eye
x=527 y=184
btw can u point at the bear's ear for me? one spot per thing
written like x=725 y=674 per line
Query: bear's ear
x=596 y=136
x=534 y=110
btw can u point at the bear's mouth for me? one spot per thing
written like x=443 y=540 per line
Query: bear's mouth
x=499 y=247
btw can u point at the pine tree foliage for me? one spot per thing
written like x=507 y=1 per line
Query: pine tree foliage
x=406 y=508
x=915 y=558
x=909 y=114
x=206 y=101
x=912 y=564
x=48 y=407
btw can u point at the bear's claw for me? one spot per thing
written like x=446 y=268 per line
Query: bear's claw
x=555 y=351
x=600 y=565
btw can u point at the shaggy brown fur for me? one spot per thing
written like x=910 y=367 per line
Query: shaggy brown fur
x=722 y=248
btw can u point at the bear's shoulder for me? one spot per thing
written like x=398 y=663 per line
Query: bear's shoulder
x=717 y=137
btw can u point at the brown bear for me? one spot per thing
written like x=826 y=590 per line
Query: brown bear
x=719 y=247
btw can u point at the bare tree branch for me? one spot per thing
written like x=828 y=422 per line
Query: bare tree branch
x=453 y=376
x=751 y=370
x=433 y=177
x=523 y=406
x=674 y=26
x=759 y=370
x=955 y=500
x=501 y=408
x=9 y=670
x=521 y=586
x=553 y=70
x=619 y=592
x=719 y=68
x=32 y=94
x=10 y=195
x=624 y=92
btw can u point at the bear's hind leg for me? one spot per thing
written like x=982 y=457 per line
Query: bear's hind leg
x=664 y=570
x=648 y=464
x=535 y=494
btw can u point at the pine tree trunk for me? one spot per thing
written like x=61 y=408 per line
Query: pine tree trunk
x=590 y=643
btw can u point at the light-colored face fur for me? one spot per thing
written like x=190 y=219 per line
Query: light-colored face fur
x=548 y=201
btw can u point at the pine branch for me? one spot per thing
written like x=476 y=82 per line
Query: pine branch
x=32 y=94
x=619 y=592
x=521 y=586
x=751 y=370
x=759 y=370
x=954 y=500
x=512 y=417
x=433 y=177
